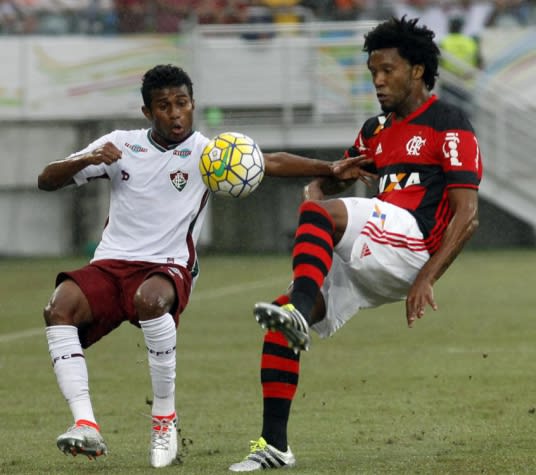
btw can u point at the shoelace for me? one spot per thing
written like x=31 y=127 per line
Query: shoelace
x=161 y=433
x=256 y=445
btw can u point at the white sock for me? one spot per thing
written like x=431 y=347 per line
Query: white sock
x=161 y=341
x=71 y=370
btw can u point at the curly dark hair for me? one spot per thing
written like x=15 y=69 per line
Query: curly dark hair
x=161 y=76
x=414 y=43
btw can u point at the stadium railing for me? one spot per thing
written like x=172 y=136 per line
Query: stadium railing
x=307 y=85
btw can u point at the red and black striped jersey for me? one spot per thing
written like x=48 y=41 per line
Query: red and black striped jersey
x=418 y=159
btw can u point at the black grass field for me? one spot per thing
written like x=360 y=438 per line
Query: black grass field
x=456 y=394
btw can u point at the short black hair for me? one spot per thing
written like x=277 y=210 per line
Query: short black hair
x=414 y=43
x=161 y=76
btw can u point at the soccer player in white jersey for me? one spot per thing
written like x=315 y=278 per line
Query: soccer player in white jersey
x=145 y=263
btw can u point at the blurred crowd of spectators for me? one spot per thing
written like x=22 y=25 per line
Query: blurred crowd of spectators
x=50 y=17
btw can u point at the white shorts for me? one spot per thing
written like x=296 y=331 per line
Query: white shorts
x=375 y=262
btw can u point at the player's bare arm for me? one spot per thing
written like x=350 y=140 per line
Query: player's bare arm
x=284 y=164
x=464 y=222
x=60 y=173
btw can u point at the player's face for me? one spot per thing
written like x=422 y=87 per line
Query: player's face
x=171 y=114
x=395 y=80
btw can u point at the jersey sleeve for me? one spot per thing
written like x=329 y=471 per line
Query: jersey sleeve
x=461 y=161
x=360 y=147
x=94 y=171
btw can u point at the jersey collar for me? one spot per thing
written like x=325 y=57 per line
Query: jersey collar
x=417 y=111
x=170 y=147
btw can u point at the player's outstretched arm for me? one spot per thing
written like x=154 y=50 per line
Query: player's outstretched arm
x=60 y=173
x=284 y=164
x=464 y=222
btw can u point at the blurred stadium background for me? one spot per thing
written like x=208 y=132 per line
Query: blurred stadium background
x=290 y=74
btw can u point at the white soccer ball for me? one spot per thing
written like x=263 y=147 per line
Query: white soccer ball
x=232 y=164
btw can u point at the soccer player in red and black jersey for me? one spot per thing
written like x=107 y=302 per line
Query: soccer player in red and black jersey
x=354 y=253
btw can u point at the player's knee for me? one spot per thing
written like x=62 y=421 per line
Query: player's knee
x=55 y=314
x=67 y=306
x=50 y=316
x=152 y=301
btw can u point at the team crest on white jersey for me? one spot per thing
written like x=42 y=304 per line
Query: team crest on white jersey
x=414 y=145
x=179 y=179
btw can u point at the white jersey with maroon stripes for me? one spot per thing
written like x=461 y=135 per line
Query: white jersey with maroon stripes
x=157 y=198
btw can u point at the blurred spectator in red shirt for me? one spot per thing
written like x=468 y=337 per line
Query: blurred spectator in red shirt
x=169 y=15
x=133 y=16
x=348 y=10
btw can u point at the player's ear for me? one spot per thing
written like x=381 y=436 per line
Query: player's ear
x=147 y=113
x=418 y=71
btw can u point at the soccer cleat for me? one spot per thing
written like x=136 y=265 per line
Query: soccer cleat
x=286 y=319
x=262 y=456
x=82 y=439
x=164 y=441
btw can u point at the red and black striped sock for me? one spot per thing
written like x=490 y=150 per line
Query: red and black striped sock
x=280 y=368
x=312 y=255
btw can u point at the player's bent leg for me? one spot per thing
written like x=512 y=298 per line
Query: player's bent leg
x=286 y=319
x=84 y=438
x=152 y=301
x=264 y=456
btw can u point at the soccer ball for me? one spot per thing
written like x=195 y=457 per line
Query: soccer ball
x=232 y=164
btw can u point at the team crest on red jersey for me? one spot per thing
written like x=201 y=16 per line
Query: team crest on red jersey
x=414 y=145
x=179 y=179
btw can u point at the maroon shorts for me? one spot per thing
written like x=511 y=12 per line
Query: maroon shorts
x=109 y=286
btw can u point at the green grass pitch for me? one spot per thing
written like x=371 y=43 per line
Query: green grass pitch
x=456 y=394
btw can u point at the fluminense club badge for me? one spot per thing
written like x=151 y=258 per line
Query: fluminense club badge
x=179 y=179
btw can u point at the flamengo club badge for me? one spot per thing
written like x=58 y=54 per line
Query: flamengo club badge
x=179 y=179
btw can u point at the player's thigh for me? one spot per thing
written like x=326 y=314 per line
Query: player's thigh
x=102 y=294
x=358 y=212
x=68 y=306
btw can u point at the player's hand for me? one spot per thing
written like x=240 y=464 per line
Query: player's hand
x=419 y=296
x=107 y=153
x=351 y=168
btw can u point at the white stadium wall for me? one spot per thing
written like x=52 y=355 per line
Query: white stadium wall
x=296 y=92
